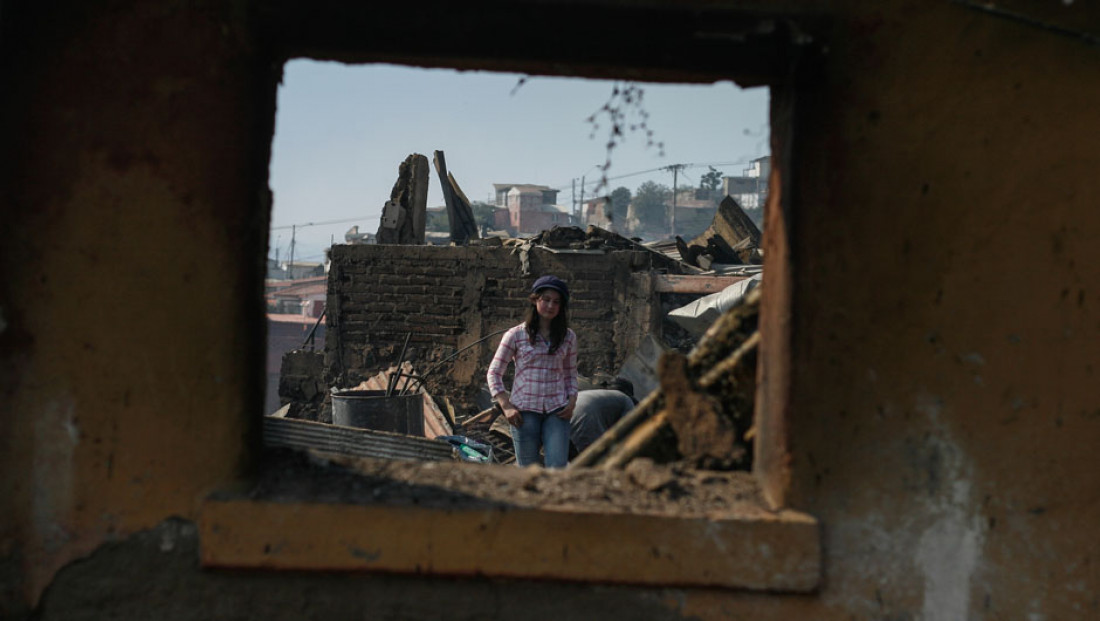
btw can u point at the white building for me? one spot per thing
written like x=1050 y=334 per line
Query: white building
x=751 y=189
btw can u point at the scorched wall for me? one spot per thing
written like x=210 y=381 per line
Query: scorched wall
x=446 y=298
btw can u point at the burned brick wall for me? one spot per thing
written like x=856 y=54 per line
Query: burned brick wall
x=448 y=298
x=300 y=383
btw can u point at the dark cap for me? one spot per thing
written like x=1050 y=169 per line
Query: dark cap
x=551 y=282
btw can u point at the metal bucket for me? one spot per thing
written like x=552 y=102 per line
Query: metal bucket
x=372 y=409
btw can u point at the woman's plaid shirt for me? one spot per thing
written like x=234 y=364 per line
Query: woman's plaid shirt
x=543 y=381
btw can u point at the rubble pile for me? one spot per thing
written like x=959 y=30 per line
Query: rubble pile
x=490 y=427
x=702 y=412
x=698 y=416
x=589 y=238
x=732 y=238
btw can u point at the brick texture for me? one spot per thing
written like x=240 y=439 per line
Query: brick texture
x=445 y=298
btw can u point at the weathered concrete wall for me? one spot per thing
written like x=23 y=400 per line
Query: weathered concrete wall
x=946 y=334
x=300 y=379
x=447 y=298
x=944 y=412
x=136 y=140
x=284 y=337
x=152 y=575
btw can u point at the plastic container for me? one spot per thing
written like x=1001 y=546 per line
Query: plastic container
x=470 y=450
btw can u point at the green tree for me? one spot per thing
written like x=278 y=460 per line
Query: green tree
x=651 y=204
x=484 y=214
x=620 y=201
x=437 y=222
x=712 y=180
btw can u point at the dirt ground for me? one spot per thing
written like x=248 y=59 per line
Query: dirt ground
x=642 y=488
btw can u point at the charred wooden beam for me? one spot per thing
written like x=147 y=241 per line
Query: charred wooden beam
x=461 y=217
x=691 y=283
x=404 y=216
x=703 y=410
x=732 y=237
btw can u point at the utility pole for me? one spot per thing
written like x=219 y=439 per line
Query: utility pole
x=290 y=263
x=576 y=206
x=582 y=192
x=675 y=168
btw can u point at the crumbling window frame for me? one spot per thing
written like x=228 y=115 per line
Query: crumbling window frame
x=776 y=551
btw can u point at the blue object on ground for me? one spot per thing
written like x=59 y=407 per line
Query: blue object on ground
x=470 y=450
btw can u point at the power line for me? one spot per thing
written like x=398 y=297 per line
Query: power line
x=559 y=189
x=743 y=160
x=344 y=221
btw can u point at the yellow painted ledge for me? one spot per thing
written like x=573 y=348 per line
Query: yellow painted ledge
x=776 y=552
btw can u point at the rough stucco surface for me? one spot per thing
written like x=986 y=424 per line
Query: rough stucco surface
x=944 y=412
x=945 y=419
x=128 y=195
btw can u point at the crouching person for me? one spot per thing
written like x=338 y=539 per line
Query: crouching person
x=598 y=410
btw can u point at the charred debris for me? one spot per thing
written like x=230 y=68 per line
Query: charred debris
x=692 y=363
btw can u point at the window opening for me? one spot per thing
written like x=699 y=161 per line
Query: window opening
x=648 y=165
x=275 y=526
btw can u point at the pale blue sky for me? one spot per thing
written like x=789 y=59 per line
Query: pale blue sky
x=343 y=130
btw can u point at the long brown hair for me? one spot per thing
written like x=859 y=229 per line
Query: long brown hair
x=559 y=325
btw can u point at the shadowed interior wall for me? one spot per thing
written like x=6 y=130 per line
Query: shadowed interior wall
x=943 y=220
x=947 y=320
x=135 y=156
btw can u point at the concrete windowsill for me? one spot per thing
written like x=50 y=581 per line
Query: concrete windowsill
x=389 y=523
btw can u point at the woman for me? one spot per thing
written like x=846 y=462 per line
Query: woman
x=544 y=390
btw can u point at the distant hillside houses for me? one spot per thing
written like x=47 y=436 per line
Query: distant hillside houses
x=294 y=270
x=523 y=209
x=532 y=208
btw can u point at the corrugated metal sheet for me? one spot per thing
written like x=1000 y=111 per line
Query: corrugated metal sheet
x=303 y=434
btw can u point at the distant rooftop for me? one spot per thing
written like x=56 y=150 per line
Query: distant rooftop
x=522 y=187
x=302 y=289
x=300 y=319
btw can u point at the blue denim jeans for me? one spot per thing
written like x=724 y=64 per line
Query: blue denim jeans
x=541 y=430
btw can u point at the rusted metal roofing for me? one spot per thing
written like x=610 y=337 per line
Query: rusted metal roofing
x=309 y=435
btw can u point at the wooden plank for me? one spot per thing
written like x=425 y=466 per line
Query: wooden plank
x=753 y=550
x=772 y=459
x=690 y=283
